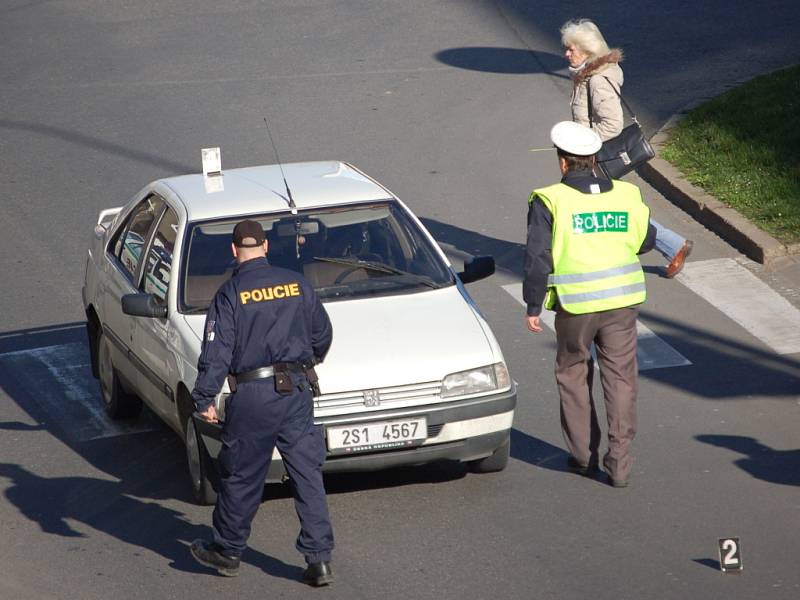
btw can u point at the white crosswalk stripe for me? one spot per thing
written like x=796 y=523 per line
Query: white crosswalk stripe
x=651 y=353
x=750 y=302
x=59 y=381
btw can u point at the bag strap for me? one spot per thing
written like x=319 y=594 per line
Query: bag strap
x=616 y=91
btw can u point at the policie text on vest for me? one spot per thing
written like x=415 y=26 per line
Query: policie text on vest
x=598 y=222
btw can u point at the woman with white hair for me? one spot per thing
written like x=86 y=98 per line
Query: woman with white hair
x=597 y=77
x=597 y=83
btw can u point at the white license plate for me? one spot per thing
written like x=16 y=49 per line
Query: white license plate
x=379 y=435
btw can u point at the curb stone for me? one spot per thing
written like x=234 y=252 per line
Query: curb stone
x=723 y=220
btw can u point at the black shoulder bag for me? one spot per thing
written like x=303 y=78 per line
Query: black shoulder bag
x=622 y=154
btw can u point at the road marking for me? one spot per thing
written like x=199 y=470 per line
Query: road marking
x=746 y=299
x=58 y=379
x=651 y=351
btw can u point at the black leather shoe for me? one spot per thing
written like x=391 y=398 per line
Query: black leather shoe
x=575 y=467
x=318 y=574
x=213 y=555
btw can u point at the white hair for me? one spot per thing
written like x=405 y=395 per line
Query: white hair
x=585 y=36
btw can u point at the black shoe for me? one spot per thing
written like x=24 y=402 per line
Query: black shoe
x=213 y=555
x=318 y=574
x=575 y=467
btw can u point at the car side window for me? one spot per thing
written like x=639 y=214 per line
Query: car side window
x=158 y=269
x=133 y=235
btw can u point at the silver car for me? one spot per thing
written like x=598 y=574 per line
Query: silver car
x=414 y=373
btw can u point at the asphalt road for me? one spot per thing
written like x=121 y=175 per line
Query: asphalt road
x=441 y=102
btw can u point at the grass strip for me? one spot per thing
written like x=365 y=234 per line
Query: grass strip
x=744 y=148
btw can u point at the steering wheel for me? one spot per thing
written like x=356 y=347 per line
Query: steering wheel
x=343 y=275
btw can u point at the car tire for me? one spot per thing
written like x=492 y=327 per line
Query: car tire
x=200 y=467
x=118 y=402
x=493 y=463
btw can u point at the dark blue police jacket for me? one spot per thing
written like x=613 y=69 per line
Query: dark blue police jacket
x=262 y=315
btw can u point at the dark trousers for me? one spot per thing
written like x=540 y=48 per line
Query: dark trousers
x=614 y=335
x=258 y=419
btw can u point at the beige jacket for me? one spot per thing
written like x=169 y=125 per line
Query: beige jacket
x=607 y=118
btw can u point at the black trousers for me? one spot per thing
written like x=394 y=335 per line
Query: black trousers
x=257 y=420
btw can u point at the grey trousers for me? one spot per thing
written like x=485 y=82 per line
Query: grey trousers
x=614 y=335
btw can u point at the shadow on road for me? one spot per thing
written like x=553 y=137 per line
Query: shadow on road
x=86 y=141
x=537 y=452
x=707 y=562
x=723 y=367
x=760 y=461
x=104 y=505
x=513 y=61
x=508 y=256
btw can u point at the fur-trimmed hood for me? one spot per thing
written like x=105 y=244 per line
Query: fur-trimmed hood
x=598 y=64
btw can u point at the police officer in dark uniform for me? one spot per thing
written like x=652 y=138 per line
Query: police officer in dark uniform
x=264 y=331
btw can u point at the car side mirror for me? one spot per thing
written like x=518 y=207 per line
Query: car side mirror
x=143 y=305
x=477 y=267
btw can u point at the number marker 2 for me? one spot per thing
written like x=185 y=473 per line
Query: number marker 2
x=730 y=555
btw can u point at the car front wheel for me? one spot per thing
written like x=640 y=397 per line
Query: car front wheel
x=497 y=461
x=119 y=403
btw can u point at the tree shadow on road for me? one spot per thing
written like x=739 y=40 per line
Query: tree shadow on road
x=760 y=461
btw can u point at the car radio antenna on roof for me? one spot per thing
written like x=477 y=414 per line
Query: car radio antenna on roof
x=290 y=200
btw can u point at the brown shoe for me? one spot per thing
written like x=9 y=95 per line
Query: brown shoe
x=676 y=265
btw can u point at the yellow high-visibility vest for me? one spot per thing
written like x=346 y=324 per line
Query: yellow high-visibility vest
x=595 y=241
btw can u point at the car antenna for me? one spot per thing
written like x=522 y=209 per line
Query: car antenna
x=280 y=166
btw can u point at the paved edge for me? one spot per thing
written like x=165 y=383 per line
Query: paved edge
x=723 y=220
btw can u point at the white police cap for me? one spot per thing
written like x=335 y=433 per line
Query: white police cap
x=575 y=138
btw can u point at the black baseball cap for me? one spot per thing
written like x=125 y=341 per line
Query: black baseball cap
x=248 y=234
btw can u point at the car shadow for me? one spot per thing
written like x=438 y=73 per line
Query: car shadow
x=432 y=473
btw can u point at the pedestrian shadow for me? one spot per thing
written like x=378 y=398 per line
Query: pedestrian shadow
x=537 y=452
x=760 y=461
x=508 y=61
x=106 y=506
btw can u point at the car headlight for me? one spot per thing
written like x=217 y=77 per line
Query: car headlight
x=476 y=381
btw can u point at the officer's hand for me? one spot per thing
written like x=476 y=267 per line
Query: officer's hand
x=534 y=324
x=210 y=414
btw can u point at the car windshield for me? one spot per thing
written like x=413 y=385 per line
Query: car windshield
x=344 y=252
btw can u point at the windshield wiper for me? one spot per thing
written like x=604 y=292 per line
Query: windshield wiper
x=379 y=267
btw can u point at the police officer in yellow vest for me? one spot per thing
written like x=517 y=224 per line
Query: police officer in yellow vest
x=584 y=235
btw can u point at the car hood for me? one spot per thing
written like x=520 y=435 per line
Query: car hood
x=398 y=340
